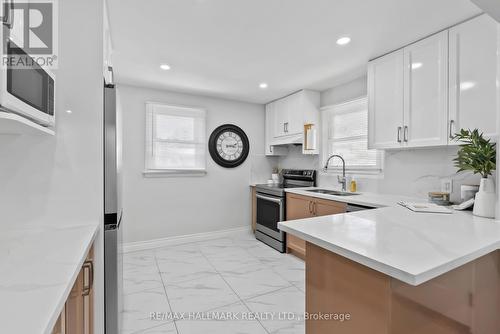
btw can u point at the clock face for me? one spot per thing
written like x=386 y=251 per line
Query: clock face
x=228 y=145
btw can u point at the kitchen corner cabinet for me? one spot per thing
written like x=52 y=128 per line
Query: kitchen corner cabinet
x=77 y=314
x=419 y=96
x=286 y=118
x=474 y=49
x=299 y=207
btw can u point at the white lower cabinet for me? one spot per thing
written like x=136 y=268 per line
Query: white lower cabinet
x=421 y=95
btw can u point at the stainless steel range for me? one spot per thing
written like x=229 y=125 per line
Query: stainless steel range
x=271 y=206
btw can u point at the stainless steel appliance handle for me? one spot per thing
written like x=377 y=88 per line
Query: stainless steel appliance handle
x=399 y=134
x=271 y=199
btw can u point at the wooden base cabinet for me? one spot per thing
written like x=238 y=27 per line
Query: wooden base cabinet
x=77 y=314
x=299 y=207
x=465 y=300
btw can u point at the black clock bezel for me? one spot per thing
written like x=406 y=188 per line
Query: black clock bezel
x=212 y=145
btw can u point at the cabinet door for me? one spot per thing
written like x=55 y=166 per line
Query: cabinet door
x=426 y=92
x=79 y=306
x=295 y=116
x=270 y=119
x=326 y=207
x=473 y=81
x=385 y=101
x=281 y=117
x=297 y=207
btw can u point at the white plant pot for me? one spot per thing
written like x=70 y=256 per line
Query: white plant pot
x=484 y=204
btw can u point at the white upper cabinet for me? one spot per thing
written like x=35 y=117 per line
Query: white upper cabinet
x=385 y=101
x=285 y=120
x=421 y=95
x=473 y=79
x=426 y=92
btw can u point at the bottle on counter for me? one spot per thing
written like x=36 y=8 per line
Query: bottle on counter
x=353 y=187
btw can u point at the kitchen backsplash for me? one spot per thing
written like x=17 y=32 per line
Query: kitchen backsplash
x=406 y=172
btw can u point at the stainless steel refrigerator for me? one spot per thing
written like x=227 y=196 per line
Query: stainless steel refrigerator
x=113 y=259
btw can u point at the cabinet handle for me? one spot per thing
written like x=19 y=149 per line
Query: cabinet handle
x=452 y=123
x=399 y=134
x=310 y=208
x=88 y=267
x=314 y=208
x=284 y=127
x=405 y=133
x=270 y=148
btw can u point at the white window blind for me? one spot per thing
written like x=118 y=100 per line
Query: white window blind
x=346 y=134
x=175 y=139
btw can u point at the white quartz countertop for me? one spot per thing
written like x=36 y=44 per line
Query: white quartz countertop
x=411 y=247
x=367 y=199
x=38 y=266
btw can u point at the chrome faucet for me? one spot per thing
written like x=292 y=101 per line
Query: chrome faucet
x=342 y=179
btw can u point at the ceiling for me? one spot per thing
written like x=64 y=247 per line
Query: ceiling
x=225 y=48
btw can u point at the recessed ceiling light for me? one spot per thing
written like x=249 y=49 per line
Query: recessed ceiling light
x=69 y=111
x=466 y=85
x=414 y=66
x=165 y=67
x=263 y=85
x=343 y=40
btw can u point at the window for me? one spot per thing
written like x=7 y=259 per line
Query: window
x=345 y=132
x=175 y=140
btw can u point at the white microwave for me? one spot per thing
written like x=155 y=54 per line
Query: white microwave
x=29 y=90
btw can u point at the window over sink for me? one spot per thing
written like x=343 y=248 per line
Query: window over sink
x=175 y=140
x=345 y=132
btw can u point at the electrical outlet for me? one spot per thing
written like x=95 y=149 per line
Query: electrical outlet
x=446 y=185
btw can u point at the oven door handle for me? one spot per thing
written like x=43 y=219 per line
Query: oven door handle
x=271 y=199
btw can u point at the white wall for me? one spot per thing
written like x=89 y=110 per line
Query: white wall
x=406 y=172
x=58 y=180
x=165 y=207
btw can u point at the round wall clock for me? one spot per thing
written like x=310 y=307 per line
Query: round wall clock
x=228 y=145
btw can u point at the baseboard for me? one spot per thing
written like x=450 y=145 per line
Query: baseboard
x=182 y=239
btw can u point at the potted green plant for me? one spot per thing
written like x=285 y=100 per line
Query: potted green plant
x=478 y=155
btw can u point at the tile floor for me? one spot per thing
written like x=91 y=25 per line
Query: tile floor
x=255 y=286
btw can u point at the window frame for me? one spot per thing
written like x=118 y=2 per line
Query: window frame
x=343 y=108
x=149 y=169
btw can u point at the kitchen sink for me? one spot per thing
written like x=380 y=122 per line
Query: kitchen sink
x=332 y=192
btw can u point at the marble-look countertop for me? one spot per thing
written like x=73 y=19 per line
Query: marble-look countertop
x=411 y=247
x=367 y=199
x=38 y=266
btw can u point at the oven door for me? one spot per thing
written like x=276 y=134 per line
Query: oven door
x=28 y=90
x=270 y=211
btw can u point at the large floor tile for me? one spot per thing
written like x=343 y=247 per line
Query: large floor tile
x=139 y=263
x=229 y=319
x=254 y=280
x=183 y=251
x=168 y=328
x=232 y=258
x=200 y=295
x=139 y=281
x=292 y=270
x=184 y=269
x=137 y=309
x=286 y=301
